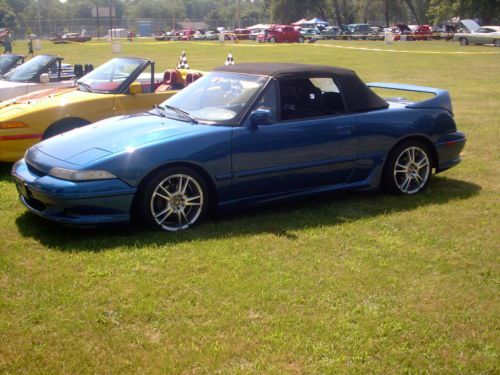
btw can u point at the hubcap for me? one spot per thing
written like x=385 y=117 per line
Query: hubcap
x=177 y=202
x=411 y=170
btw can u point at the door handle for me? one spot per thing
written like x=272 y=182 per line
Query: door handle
x=344 y=129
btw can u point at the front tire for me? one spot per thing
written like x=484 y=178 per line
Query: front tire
x=172 y=200
x=496 y=43
x=408 y=169
x=272 y=39
x=300 y=40
x=464 y=41
x=63 y=126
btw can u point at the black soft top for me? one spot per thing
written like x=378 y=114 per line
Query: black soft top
x=358 y=97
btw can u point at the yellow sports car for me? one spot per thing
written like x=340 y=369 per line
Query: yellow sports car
x=123 y=85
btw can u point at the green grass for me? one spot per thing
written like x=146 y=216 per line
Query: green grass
x=345 y=283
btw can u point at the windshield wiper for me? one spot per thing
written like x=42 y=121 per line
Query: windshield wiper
x=160 y=110
x=178 y=111
x=85 y=85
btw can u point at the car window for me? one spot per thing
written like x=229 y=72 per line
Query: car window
x=110 y=76
x=29 y=70
x=309 y=98
x=268 y=100
x=218 y=97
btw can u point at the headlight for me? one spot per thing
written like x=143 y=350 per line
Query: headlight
x=12 y=125
x=68 y=174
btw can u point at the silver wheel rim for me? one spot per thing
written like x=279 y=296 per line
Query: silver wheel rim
x=411 y=170
x=177 y=202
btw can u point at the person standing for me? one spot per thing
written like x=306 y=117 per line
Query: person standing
x=8 y=42
x=30 y=47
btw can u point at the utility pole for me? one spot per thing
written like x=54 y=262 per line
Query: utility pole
x=39 y=20
x=97 y=15
x=238 y=12
x=111 y=19
x=175 y=6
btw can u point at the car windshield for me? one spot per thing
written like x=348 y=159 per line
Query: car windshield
x=217 y=97
x=30 y=70
x=110 y=77
x=6 y=61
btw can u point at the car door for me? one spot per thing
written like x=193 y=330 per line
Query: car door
x=292 y=153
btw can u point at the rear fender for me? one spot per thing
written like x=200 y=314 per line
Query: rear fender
x=441 y=97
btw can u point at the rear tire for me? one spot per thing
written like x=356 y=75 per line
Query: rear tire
x=408 y=168
x=173 y=199
x=300 y=40
x=496 y=43
x=464 y=41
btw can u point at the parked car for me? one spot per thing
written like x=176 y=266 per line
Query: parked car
x=376 y=33
x=402 y=30
x=39 y=73
x=330 y=32
x=70 y=38
x=120 y=86
x=211 y=35
x=421 y=32
x=310 y=33
x=254 y=33
x=483 y=35
x=9 y=61
x=359 y=30
x=282 y=34
x=445 y=31
x=241 y=135
x=242 y=34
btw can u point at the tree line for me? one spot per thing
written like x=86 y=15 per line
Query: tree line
x=385 y=12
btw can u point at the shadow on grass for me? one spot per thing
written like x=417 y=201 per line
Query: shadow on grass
x=279 y=219
x=5 y=172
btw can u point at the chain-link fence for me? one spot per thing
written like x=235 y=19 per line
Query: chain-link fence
x=99 y=27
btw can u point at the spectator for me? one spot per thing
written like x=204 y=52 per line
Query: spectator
x=30 y=47
x=8 y=42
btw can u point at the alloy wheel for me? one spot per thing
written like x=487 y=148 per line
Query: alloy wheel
x=411 y=170
x=177 y=202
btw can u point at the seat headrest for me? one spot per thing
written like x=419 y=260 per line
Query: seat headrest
x=171 y=77
x=192 y=76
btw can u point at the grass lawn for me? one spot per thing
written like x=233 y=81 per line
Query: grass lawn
x=345 y=283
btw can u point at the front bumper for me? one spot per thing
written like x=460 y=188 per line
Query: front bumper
x=448 y=150
x=72 y=202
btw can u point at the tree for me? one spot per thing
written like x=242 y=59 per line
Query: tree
x=7 y=15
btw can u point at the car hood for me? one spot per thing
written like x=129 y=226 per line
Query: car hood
x=114 y=135
x=37 y=97
x=471 y=25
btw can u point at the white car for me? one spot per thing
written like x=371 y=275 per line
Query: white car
x=40 y=73
x=483 y=35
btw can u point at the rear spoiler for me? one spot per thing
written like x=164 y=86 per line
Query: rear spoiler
x=441 y=99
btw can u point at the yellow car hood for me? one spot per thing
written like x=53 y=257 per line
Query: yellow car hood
x=43 y=99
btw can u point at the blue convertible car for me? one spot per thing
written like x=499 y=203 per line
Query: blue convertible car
x=242 y=134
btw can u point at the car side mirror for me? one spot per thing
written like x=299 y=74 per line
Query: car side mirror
x=44 y=78
x=261 y=116
x=135 y=88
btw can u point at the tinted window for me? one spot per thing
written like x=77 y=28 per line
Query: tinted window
x=6 y=62
x=269 y=100
x=30 y=70
x=310 y=97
